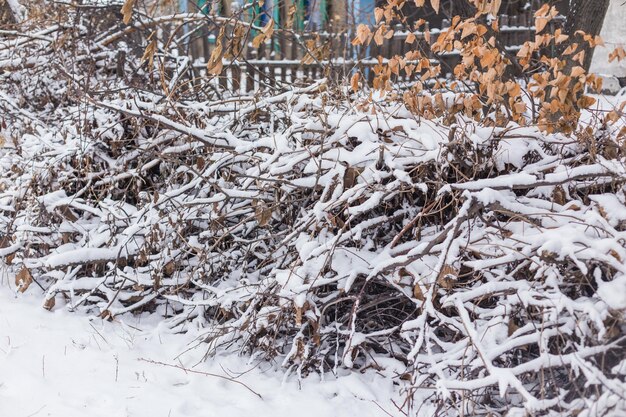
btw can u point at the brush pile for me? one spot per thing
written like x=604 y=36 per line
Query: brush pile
x=483 y=267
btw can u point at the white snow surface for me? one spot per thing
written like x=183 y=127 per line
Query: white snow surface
x=17 y=9
x=65 y=364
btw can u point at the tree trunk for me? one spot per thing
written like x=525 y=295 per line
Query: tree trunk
x=588 y=16
x=7 y=16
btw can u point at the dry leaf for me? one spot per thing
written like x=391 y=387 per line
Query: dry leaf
x=543 y=11
x=263 y=214
x=215 y=64
x=169 y=268
x=520 y=107
x=258 y=40
x=66 y=212
x=435 y=4
x=362 y=35
x=469 y=28
x=298 y=316
x=417 y=293
x=291 y=16
x=148 y=54
x=447 y=277
x=49 y=303
x=577 y=71
x=586 y=102
x=614 y=254
x=617 y=54
x=127 y=11
x=266 y=33
x=379 y=36
x=487 y=6
x=354 y=82
x=349 y=177
x=200 y=163
x=580 y=57
x=268 y=29
x=559 y=196
x=540 y=24
x=378 y=14
x=23 y=279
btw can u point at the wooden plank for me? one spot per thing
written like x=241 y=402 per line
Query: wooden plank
x=236 y=78
x=250 y=83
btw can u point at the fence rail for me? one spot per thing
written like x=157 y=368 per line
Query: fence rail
x=285 y=58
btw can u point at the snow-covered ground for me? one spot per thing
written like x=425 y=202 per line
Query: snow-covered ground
x=66 y=365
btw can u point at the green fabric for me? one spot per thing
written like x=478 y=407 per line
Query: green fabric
x=323 y=12
x=204 y=6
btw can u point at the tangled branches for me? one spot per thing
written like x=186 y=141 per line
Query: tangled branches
x=321 y=231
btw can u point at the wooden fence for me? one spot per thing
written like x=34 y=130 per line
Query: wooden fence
x=285 y=59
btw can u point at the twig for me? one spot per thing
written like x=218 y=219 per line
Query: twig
x=182 y=368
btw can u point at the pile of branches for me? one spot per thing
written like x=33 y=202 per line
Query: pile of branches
x=482 y=267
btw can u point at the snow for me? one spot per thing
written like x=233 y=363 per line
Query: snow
x=614 y=292
x=614 y=34
x=65 y=364
x=17 y=9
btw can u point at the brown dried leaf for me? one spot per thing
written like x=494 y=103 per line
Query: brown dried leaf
x=23 y=279
x=543 y=11
x=349 y=177
x=379 y=36
x=559 y=196
x=263 y=214
x=378 y=14
x=354 y=82
x=586 y=102
x=417 y=293
x=540 y=24
x=200 y=163
x=49 y=303
x=148 y=54
x=447 y=277
x=577 y=71
x=169 y=268
x=127 y=11
x=258 y=40
x=363 y=34
x=298 y=316
x=291 y=16
x=268 y=29
x=66 y=212
x=215 y=64
x=435 y=5
x=614 y=254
